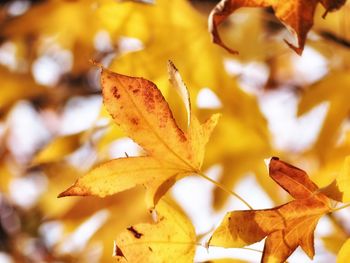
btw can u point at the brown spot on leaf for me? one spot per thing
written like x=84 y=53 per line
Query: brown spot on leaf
x=135 y=90
x=115 y=92
x=181 y=135
x=149 y=99
x=163 y=120
x=118 y=252
x=150 y=249
x=135 y=232
x=134 y=121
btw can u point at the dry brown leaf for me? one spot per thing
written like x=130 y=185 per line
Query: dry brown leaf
x=286 y=227
x=296 y=15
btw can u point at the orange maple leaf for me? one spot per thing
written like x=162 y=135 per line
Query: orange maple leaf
x=296 y=15
x=139 y=108
x=286 y=227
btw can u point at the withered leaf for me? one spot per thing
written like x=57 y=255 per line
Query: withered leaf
x=286 y=227
x=296 y=15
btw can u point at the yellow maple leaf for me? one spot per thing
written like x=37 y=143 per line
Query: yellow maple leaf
x=172 y=237
x=286 y=227
x=142 y=112
x=297 y=15
x=338 y=110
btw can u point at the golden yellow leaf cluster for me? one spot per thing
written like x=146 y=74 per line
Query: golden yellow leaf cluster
x=45 y=50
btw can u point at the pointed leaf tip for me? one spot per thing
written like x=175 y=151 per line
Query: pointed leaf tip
x=292 y=179
x=74 y=190
x=180 y=87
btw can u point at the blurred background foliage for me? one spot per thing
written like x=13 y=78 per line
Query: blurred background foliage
x=53 y=126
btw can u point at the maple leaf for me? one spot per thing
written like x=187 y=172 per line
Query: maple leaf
x=338 y=109
x=286 y=227
x=297 y=15
x=139 y=108
x=173 y=236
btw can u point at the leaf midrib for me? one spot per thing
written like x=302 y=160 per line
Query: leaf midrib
x=312 y=193
x=312 y=218
x=150 y=127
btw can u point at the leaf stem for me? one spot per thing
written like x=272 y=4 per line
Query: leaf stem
x=187 y=243
x=245 y=248
x=251 y=249
x=222 y=187
x=340 y=208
